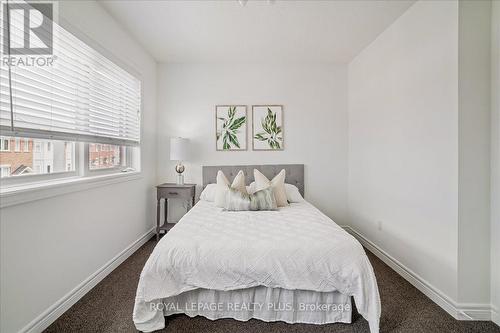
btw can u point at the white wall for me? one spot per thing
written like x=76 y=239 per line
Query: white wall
x=474 y=152
x=315 y=120
x=419 y=148
x=403 y=142
x=495 y=161
x=50 y=246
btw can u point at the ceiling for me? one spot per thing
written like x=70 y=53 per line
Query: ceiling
x=283 y=31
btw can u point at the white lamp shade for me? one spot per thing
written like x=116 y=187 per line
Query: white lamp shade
x=179 y=149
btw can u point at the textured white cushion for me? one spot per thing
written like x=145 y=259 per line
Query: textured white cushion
x=251 y=188
x=223 y=187
x=292 y=193
x=208 y=194
x=277 y=184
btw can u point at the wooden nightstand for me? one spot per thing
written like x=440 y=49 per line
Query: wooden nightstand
x=167 y=191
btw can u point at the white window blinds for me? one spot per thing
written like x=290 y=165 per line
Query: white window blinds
x=83 y=96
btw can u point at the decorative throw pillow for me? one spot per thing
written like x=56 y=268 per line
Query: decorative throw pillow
x=260 y=200
x=277 y=184
x=223 y=186
x=292 y=193
x=208 y=194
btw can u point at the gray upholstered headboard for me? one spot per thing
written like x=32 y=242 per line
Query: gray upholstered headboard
x=294 y=173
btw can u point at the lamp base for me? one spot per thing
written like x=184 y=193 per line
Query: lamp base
x=179 y=168
x=180 y=179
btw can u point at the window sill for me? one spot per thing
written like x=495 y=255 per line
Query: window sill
x=20 y=194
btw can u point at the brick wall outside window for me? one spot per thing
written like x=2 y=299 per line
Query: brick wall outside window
x=17 y=159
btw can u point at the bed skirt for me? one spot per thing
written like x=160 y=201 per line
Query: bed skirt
x=263 y=303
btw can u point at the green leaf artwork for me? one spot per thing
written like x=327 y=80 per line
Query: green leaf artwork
x=230 y=128
x=272 y=133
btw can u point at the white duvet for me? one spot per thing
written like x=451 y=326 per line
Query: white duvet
x=296 y=247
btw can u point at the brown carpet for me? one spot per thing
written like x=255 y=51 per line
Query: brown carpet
x=108 y=308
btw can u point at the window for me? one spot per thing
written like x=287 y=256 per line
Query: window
x=4 y=171
x=79 y=117
x=4 y=144
x=102 y=156
x=61 y=158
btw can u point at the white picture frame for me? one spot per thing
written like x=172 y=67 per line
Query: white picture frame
x=231 y=130
x=267 y=127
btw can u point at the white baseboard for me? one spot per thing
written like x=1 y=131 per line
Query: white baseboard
x=495 y=316
x=458 y=311
x=474 y=312
x=57 y=309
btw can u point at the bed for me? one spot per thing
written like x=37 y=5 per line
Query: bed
x=293 y=265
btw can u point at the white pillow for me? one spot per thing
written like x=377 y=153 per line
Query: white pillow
x=251 y=188
x=223 y=186
x=277 y=184
x=292 y=192
x=208 y=194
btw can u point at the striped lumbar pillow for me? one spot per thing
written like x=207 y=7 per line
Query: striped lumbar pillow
x=260 y=200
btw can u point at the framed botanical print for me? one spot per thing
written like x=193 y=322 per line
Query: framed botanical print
x=267 y=127
x=231 y=127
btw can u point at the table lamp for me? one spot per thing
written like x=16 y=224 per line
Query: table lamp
x=179 y=152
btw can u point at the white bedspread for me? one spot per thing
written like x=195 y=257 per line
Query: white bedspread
x=296 y=247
